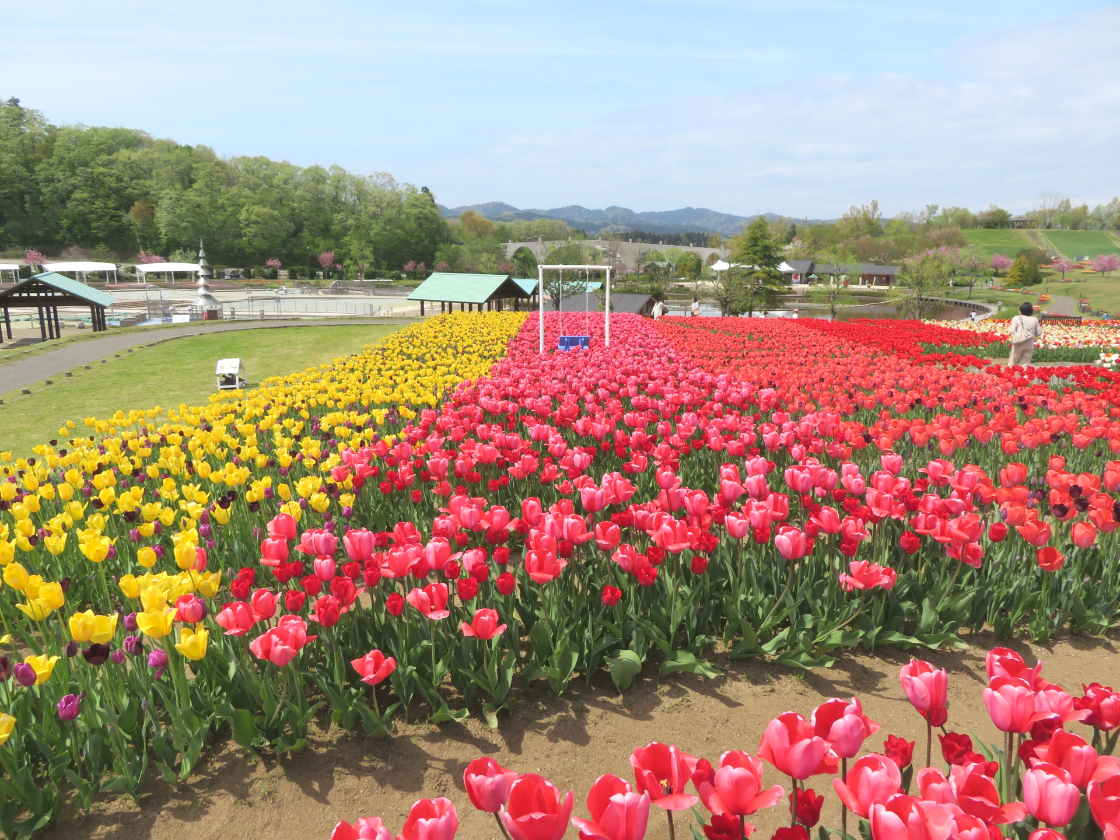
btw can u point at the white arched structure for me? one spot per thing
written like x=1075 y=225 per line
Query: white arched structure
x=9 y=267
x=585 y=268
x=82 y=268
x=144 y=269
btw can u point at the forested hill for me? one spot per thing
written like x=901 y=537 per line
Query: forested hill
x=117 y=190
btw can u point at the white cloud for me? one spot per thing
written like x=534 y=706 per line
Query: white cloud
x=1031 y=110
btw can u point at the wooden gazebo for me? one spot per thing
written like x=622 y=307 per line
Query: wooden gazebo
x=49 y=291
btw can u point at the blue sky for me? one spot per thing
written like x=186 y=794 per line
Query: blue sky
x=799 y=107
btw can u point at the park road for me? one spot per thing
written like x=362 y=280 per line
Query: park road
x=23 y=374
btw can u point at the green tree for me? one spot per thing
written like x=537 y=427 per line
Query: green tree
x=756 y=254
x=263 y=230
x=562 y=284
x=924 y=275
x=689 y=265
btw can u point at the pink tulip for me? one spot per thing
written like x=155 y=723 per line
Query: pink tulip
x=927 y=689
x=976 y=794
x=663 y=772
x=282 y=643
x=366 y=828
x=1050 y=795
x=282 y=526
x=430 y=819
x=318 y=542
x=872 y=780
x=1010 y=703
x=1072 y=754
x=737 y=787
x=843 y=725
x=324 y=568
x=617 y=812
x=1104 y=802
x=607 y=536
x=909 y=818
x=484 y=627
x=375 y=667
x=274 y=551
x=737 y=525
x=535 y=810
x=238 y=618
x=431 y=601
x=543 y=566
x=792 y=543
x=1004 y=662
x=791 y=747
x=436 y=553
x=360 y=545
x=488 y=784
x=263 y=603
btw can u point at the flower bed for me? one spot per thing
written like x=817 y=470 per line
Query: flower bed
x=781 y=489
x=1054 y=772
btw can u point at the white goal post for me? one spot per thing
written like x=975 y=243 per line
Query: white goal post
x=586 y=269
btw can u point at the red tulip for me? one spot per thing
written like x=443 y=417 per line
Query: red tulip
x=1050 y=795
x=927 y=689
x=544 y=566
x=617 y=812
x=1103 y=705
x=431 y=819
x=282 y=526
x=274 y=551
x=1004 y=662
x=263 y=603
x=366 y=828
x=908 y=818
x=663 y=772
x=375 y=667
x=1083 y=534
x=431 y=601
x=909 y=542
x=484 y=626
x=607 y=536
x=535 y=810
x=736 y=787
x=488 y=784
x=791 y=747
x=1050 y=559
x=976 y=794
x=868 y=575
x=1010 y=704
x=873 y=779
x=899 y=750
x=189 y=609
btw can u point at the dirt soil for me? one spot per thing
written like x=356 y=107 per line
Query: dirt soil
x=570 y=740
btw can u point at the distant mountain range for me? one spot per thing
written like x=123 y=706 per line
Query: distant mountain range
x=616 y=219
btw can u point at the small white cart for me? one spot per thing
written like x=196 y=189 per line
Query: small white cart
x=231 y=374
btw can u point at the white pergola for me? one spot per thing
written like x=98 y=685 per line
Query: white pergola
x=82 y=268
x=12 y=267
x=586 y=269
x=144 y=269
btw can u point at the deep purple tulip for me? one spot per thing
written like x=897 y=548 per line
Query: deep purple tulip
x=5 y=668
x=134 y=645
x=72 y=649
x=96 y=654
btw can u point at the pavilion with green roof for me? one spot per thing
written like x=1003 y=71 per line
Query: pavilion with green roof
x=47 y=292
x=472 y=291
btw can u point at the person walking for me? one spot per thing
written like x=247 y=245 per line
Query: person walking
x=694 y=310
x=658 y=309
x=1025 y=329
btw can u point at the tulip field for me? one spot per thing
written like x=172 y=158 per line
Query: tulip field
x=432 y=528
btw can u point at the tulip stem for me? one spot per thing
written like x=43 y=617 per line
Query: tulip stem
x=782 y=597
x=793 y=809
x=929 y=740
x=743 y=826
x=502 y=826
x=843 y=807
x=672 y=831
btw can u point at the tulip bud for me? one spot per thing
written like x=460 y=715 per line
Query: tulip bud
x=69 y=707
x=117 y=656
x=24 y=674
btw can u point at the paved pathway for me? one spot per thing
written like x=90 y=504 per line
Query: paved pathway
x=22 y=374
x=1062 y=305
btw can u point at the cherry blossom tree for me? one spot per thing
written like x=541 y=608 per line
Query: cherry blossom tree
x=1000 y=263
x=32 y=257
x=147 y=259
x=1106 y=263
x=1064 y=265
x=273 y=263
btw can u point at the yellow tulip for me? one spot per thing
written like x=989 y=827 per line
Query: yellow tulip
x=52 y=595
x=55 y=543
x=156 y=624
x=7 y=552
x=35 y=609
x=192 y=643
x=7 y=724
x=31 y=589
x=146 y=529
x=130 y=586
x=15 y=575
x=105 y=629
x=220 y=515
x=96 y=549
x=82 y=626
x=146 y=557
x=153 y=598
x=43 y=667
x=208 y=583
x=186 y=555
x=65 y=492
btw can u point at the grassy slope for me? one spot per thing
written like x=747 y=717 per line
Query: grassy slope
x=1006 y=242
x=174 y=372
x=1077 y=243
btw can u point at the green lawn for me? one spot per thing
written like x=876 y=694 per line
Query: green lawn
x=177 y=371
x=1006 y=242
x=1082 y=243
